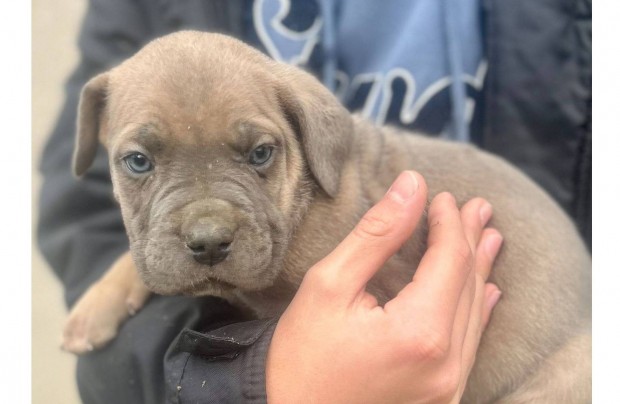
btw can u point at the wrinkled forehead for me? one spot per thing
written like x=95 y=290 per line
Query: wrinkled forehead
x=197 y=92
x=206 y=103
x=160 y=135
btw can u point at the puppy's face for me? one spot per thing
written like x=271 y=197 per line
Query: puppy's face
x=207 y=194
x=214 y=151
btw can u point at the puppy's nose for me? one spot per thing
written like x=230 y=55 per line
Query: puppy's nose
x=209 y=242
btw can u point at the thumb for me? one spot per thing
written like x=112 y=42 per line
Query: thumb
x=379 y=235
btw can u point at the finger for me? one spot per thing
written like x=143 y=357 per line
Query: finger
x=491 y=297
x=487 y=251
x=378 y=236
x=463 y=314
x=485 y=299
x=485 y=293
x=475 y=214
x=433 y=295
x=484 y=303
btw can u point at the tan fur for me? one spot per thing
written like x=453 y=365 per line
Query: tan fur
x=96 y=317
x=201 y=95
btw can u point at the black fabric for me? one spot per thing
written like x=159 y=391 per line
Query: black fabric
x=537 y=97
x=131 y=369
x=217 y=366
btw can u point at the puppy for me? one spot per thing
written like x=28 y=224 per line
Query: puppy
x=235 y=174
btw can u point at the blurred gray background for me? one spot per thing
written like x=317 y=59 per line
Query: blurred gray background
x=54 y=55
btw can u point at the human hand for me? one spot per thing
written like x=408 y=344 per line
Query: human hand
x=334 y=344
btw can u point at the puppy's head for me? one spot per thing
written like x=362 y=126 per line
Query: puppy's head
x=215 y=151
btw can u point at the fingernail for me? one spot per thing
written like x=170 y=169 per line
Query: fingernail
x=492 y=244
x=492 y=300
x=404 y=187
x=131 y=309
x=486 y=210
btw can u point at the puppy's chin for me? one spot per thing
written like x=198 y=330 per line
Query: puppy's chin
x=190 y=278
x=199 y=287
x=209 y=287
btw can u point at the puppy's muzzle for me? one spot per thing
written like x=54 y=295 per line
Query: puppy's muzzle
x=209 y=239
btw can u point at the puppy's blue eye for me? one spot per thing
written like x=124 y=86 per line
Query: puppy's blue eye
x=261 y=155
x=138 y=163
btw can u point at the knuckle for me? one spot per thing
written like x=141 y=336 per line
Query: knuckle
x=373 y=226
x=446 y=383
x=322 y=281
x=430 y=347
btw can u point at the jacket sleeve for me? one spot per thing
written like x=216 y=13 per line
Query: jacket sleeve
x=80 y=230
x=538 y=96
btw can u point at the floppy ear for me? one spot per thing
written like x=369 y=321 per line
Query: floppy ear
x=90 y=122
x=323 y=126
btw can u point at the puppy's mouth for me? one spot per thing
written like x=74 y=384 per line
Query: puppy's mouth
x=207 y=286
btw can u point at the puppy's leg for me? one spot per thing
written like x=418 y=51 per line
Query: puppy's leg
x=565 y=377
x=95 y=319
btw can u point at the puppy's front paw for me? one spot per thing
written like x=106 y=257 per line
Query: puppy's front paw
x=97 y=316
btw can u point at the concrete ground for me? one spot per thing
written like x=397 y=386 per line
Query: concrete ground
x=54 y=54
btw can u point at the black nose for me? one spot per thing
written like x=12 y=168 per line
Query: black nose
x=209 y=243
